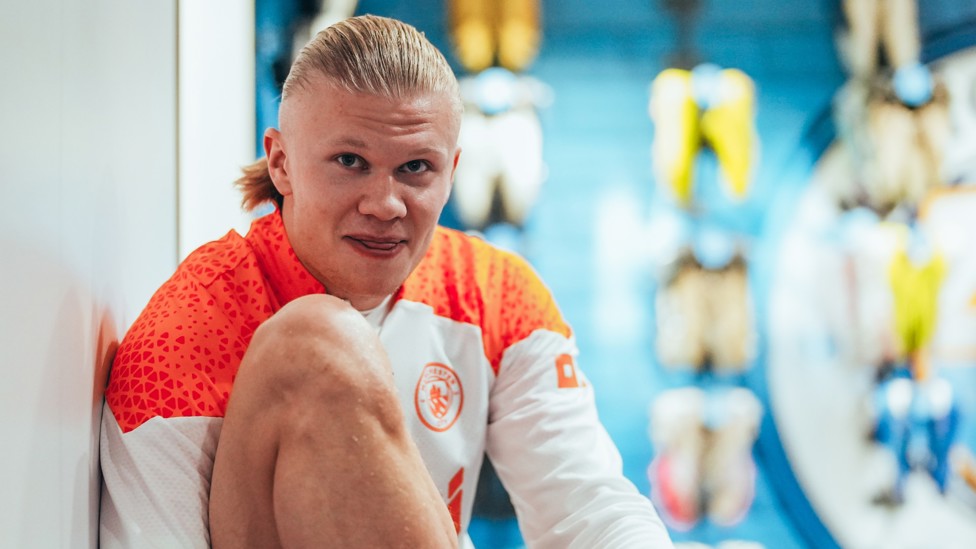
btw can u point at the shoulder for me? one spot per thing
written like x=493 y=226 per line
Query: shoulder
x=216 y=259
x=460 y=271
x=210 y=281
x=470 y=260
x=227 y=271
x=180 y=355
x=468 y=280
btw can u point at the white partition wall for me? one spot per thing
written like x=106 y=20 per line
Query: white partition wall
x=216 y=117
x=88 y=231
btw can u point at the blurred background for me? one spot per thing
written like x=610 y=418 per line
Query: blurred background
x=756 y=215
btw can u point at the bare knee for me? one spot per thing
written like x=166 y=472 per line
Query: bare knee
x=319 y=351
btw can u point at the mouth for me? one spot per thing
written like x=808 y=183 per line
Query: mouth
x=376 y=245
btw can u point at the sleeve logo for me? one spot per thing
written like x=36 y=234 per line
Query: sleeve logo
x=438 y=397
x=566 y=372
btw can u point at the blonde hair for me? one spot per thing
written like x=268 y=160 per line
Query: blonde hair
x=366 y=54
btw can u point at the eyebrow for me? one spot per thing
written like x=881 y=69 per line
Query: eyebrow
x=424 y=151
x=359 y=143
x=352 y=142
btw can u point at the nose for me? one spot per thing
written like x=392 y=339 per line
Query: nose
x=381 y=199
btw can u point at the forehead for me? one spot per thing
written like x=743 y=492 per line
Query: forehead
x=322 y=105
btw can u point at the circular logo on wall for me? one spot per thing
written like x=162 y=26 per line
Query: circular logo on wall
x=438 y=397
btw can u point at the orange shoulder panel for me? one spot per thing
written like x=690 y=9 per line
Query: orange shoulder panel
x=181 y=354
x=468 y=280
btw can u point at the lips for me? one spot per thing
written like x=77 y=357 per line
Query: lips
x=376 y=244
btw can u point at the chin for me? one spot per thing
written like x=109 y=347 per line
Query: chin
x=376 y=289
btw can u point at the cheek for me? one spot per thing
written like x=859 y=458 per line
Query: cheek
x=319 y=200
x=428 y=209
x=438 y=196
x=445 y=196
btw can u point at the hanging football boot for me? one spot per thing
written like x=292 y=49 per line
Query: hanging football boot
x=472 y=24
x=501 y=172
x=906 y=131
x=728 y=125
x=891 y=24
x=941 y=422
x=730 y=334
x=518 y=137
x=488 y=33
x=677 y=435
x=892 y=410
x=915 y=281
x=519 y=33
x=677 y=137
x=681 y=316
x=475 y=178
x=729 y=469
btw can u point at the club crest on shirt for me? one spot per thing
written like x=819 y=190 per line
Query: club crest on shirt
x=438 y=397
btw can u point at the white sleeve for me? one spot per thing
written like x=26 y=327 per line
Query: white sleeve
x=556 y=460
x=156 y=482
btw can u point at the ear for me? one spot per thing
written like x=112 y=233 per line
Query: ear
x=457 y=155
x=274 y=149
x=450 y=184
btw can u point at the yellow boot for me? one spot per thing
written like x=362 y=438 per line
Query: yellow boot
x=518 y=33
x=472 y=24
x=676 y=133
x=915 y=288
x=729 y=127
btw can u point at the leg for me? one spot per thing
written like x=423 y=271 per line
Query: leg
x=313 y=449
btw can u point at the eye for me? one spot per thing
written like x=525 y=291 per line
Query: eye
x=349 y=160
x=416 y=166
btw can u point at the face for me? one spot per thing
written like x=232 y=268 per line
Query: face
x=364 y=180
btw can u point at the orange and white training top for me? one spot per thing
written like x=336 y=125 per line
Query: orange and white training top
x=483 y=361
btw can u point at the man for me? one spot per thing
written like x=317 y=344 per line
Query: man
x=373 y=356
